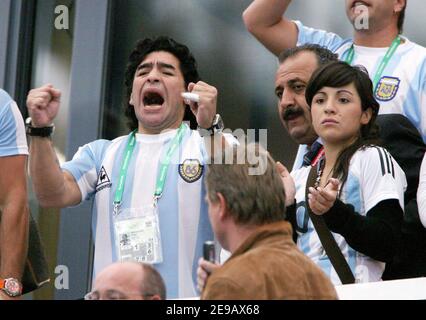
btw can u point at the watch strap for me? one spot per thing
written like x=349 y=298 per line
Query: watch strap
x=38 y=132
x=217 y=126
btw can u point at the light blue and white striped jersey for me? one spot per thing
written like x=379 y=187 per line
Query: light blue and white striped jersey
x=13 y=140
x=402 y=86
x=373 y=176
x=183 y=215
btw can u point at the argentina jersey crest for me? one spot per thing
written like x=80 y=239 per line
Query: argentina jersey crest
x=387 y=88
x=191 y=170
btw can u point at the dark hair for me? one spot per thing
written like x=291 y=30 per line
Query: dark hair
x=336 y=75
x=401 y=18
x=254 y=193
x=152 y=283
x=188 y=66
x=323 y=55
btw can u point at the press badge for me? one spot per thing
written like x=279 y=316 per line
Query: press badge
x=137 y=235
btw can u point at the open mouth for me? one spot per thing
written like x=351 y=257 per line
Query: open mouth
x=359 y=4
x=153 y=99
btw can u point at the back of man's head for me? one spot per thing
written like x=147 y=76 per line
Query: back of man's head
x=324 y=55
x=251 y=186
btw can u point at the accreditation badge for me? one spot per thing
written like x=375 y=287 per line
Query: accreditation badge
x=137 y=235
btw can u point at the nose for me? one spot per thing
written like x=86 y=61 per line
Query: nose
x=287 y=100
x=329 y=107
x=153 y=75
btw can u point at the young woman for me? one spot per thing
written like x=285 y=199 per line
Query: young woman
x=359 y=187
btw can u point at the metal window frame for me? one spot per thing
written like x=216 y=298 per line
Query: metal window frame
x=17 y=18
x=87 y=97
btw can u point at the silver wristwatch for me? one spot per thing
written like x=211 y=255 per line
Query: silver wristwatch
x=11 y=286
x=217 y=126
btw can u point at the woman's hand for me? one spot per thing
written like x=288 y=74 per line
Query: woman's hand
x=322 y=199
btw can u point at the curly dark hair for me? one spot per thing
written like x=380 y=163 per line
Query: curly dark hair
x=339 y=74
x=188 y=66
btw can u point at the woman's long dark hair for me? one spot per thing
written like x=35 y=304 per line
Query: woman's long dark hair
x=336 y=75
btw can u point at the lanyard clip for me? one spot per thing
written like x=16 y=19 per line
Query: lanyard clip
x=116 y=207
x=155 y=200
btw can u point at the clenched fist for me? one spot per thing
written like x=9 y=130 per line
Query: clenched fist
x=43 y=105
x=205 y=109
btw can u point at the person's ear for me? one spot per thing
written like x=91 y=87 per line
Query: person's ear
x=399 y=5
x=223 y=213
x=131 y=100
x=155 y=297
x=366 y=116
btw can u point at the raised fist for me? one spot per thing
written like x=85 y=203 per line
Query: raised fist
x=43 y=105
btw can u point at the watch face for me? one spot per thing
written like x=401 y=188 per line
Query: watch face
x=12 y=287
x=218 y=123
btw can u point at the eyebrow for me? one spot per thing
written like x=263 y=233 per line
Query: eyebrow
x=345 y=91
x=338 y=91
x=293 y=81
x=290 y=83
x=161 y=65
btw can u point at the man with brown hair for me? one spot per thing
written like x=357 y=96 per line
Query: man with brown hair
x=247 y=214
